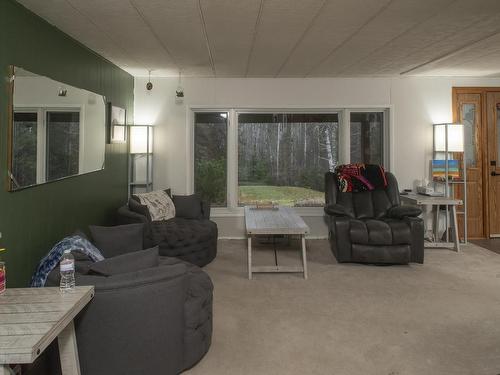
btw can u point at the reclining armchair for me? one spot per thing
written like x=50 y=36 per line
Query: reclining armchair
x=372 y=226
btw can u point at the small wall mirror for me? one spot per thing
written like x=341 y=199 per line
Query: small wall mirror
x=56 y=130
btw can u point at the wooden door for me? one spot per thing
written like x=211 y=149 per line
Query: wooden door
x=493 y=161
x=467 y=109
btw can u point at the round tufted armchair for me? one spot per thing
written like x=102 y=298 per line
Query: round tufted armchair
x=190 y=236
x=155 y=320
x=194 y=241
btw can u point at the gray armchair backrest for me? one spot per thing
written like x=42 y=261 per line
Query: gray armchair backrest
x=364 y=204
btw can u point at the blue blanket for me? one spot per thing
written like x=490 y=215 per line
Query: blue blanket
x=50 y=261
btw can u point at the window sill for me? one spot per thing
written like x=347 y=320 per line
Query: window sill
x=239 y=211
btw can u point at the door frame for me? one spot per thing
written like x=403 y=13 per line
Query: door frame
x=484 y=151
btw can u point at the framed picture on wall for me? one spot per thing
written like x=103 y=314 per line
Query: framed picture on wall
x=117 y=124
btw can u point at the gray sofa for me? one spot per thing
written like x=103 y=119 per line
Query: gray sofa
x=373 y=226
x=190 y=235
x=156 y=320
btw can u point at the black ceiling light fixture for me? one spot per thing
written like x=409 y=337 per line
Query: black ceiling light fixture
x=179 y=92
x=149 y=85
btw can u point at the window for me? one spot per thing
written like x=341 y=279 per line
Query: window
x=46 y=145
x=367 y=137
x=210 y=157
x=248 y=156
x=282 y=157
x=25 y=148
x=63 y=144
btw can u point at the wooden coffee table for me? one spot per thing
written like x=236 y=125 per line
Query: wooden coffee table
x=272 y=222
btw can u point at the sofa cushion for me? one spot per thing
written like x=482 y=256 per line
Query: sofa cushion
x=130 y=262
x=363 y=205
x=137 y=207
x=117 y=240
x=159 y=204
x=180 y=232
x=401 y=232
x=192 y=240
x=380 y=232
x=187 y=206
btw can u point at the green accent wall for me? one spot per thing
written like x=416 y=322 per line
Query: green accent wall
x=34 y=219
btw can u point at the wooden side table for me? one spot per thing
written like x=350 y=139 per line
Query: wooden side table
x=436 y=202
x=31 y=318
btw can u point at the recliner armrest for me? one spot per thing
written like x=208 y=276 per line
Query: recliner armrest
x=400 y=212
x=336 y=210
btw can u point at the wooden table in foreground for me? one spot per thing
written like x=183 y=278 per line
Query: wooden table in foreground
x=282 y=221
x=31 y=318
x=436 y=202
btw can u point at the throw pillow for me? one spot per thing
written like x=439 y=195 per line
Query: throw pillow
x=160 y=205
x=168 y=191
x=117 y=240
x=131 y=262
x=187 y=206
x=138 y=208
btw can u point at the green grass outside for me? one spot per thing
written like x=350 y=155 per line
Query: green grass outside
x=283 y=195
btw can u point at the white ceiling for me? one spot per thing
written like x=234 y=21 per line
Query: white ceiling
x=285 y=38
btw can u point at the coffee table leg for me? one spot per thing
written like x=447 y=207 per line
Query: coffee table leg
x=249 y=258
x=68 y=351
x=304 y=259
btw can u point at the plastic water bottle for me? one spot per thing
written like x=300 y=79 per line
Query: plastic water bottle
x=67 y=269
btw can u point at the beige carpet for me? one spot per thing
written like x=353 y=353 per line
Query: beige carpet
x=442 y=317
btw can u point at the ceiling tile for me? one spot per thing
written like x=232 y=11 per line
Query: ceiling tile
x=478 y=59
x=397 y=18
x=178 y=25
x=318 y=38
x=338 y=20
x=281 y=26
x=230 y=27
x=459 y=25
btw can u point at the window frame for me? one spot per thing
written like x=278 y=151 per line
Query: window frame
x=386 y=135
x=344 y=112
x=227 y=152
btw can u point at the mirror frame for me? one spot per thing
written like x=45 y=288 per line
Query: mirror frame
x=10 y=125
x=10 y=132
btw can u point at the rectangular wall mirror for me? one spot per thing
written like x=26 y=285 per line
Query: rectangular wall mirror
x=56 y=130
